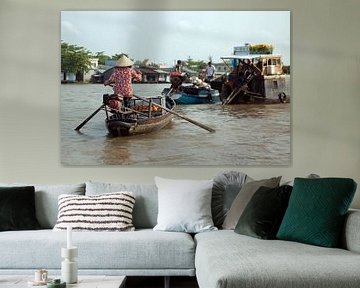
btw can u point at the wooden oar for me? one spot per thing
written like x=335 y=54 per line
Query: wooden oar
x=88 y=118
x=170 y=90
x=177 y=114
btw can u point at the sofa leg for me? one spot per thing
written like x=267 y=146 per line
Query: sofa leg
x=166 y=281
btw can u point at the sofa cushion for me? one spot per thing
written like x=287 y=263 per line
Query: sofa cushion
x=136 y=252
x=225 y=259
x=226 y=187
x=243 y=198
x=263 y=214
x=17 y=208
x=316 y=211
x=46 y=200
x=105 y=212
x=184 y=205
x=350 y=239
x=146 y=205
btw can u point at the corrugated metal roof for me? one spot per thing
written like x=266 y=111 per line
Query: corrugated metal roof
x=147 y=70
x=161 y=71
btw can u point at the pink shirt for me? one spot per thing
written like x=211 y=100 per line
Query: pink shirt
x=122 y=78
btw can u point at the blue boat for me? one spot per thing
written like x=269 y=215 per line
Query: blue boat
x=189 y=94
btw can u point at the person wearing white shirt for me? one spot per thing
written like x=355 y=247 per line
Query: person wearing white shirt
x=210 y=72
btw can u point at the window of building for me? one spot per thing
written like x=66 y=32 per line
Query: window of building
x=275 y=84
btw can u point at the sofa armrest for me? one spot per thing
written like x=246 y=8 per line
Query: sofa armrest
x=351 y=233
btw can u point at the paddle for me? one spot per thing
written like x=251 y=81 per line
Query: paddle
x=177 y=114
x=88 y=118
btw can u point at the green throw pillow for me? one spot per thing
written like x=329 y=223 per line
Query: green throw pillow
x=316 y=211
x=17 y=208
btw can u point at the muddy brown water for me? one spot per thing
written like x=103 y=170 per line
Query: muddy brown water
x=246 y=135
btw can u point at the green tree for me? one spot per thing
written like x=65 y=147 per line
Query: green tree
x=102 y=57
x=74 y=59
x=195 y=65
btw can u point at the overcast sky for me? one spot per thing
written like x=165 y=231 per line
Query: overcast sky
x=165 y=36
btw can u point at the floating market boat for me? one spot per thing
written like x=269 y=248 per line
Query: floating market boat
x=253 y=79
x=191 y=95
x=197 y=93
x=142 y=116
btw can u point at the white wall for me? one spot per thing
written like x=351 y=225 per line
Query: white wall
x=325 y=69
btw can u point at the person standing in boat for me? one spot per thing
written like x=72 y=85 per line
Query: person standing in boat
x=210 y=72
x=122 y=79
x=176 y=77
x=178 y=67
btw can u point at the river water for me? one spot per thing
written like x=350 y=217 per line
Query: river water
x=246 y=135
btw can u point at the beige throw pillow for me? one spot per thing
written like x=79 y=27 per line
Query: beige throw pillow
x=243 y=198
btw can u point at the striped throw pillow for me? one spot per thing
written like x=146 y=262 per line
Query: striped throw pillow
x=105 y=212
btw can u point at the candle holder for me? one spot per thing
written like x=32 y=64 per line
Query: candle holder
x=69 y=271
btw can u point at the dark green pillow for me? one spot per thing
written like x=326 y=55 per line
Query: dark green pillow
x=316 y=211
x=17 y=208
x=264 y=212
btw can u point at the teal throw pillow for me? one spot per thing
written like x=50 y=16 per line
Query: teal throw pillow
x=316 y=211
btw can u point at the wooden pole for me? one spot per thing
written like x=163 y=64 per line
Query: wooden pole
x=181 y=116
x=231 y=97
x=88 y=118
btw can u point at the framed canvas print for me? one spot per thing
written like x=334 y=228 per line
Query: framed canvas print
x=175 y=88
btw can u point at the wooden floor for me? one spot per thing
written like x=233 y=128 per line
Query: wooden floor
x=158 y=282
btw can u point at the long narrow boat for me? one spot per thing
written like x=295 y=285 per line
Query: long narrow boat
x=192 y=94
x=141 y=117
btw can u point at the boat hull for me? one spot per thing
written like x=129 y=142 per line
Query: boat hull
x=121 y=127
x=139 y=122
x=202 y=96
x=266 y=90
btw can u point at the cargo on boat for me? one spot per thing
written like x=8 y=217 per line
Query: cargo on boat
x=142 y=116
x=199 y=92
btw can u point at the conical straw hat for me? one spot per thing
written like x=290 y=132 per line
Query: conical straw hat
x=124 y=61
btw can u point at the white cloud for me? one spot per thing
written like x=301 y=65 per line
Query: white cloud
x=69 y=28
x=164 y=36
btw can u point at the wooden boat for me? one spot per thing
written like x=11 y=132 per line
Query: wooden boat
x=192 y=95
x=199 y=92
x=141 y=117
x=254 y=79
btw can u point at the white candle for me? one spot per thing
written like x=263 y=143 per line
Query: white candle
x=69 y=240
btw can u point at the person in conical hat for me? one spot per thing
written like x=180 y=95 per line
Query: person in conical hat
x=122 y=78
x=124 y=61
